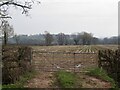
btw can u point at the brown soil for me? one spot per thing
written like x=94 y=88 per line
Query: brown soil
x=47 y=79
x=92 y=82
x=41 y=80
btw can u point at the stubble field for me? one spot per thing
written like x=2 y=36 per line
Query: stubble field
x=71 y=58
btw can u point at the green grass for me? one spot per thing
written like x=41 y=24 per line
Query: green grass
x=66 y=79
x=101 y=74
x=0 y=86
x=22 y=81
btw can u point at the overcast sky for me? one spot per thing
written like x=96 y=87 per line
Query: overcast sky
x=99 y=17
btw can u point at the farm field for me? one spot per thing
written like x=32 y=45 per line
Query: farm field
x=74 y=48
x=49 y=59
x=75 y=57
x=71 y=58
x=59 y=44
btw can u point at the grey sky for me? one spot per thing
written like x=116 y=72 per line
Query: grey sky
x=99 y=17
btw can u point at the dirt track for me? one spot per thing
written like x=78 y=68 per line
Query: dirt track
x=41 y=80
x=47 y=80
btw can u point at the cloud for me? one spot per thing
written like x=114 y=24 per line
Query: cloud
x=99 y=17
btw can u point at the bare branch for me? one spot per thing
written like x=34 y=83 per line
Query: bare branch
x=6 y=17
x=4 y=6
x=12 y=3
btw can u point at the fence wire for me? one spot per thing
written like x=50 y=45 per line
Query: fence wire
x=55 y=61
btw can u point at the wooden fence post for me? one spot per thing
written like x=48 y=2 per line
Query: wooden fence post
x=74 y=62
x=31 y=56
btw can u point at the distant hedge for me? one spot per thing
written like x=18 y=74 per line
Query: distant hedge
x=110 y=61
x=16 y=61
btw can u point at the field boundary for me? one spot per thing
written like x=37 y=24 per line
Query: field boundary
x=67 y=52
x=68 y=61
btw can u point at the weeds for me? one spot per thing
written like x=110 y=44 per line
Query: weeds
x=101 y=74
x=66 y=79
x=22 y=81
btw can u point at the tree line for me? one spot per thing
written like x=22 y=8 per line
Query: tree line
x=7 y=33
x=80 y=38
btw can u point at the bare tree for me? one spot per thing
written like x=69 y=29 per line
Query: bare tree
x=48 y=38
x=61 y=38
x=95 y=40
x=86 y=38
x=7 y=31
x=25 y=5
x=17 y=39
x=76 y=38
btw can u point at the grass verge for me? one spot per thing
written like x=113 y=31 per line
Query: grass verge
x=22 y=81
x=101 y=74
x=66 y=79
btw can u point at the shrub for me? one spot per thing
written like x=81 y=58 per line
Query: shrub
x=16 y=61
x=109 y=60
